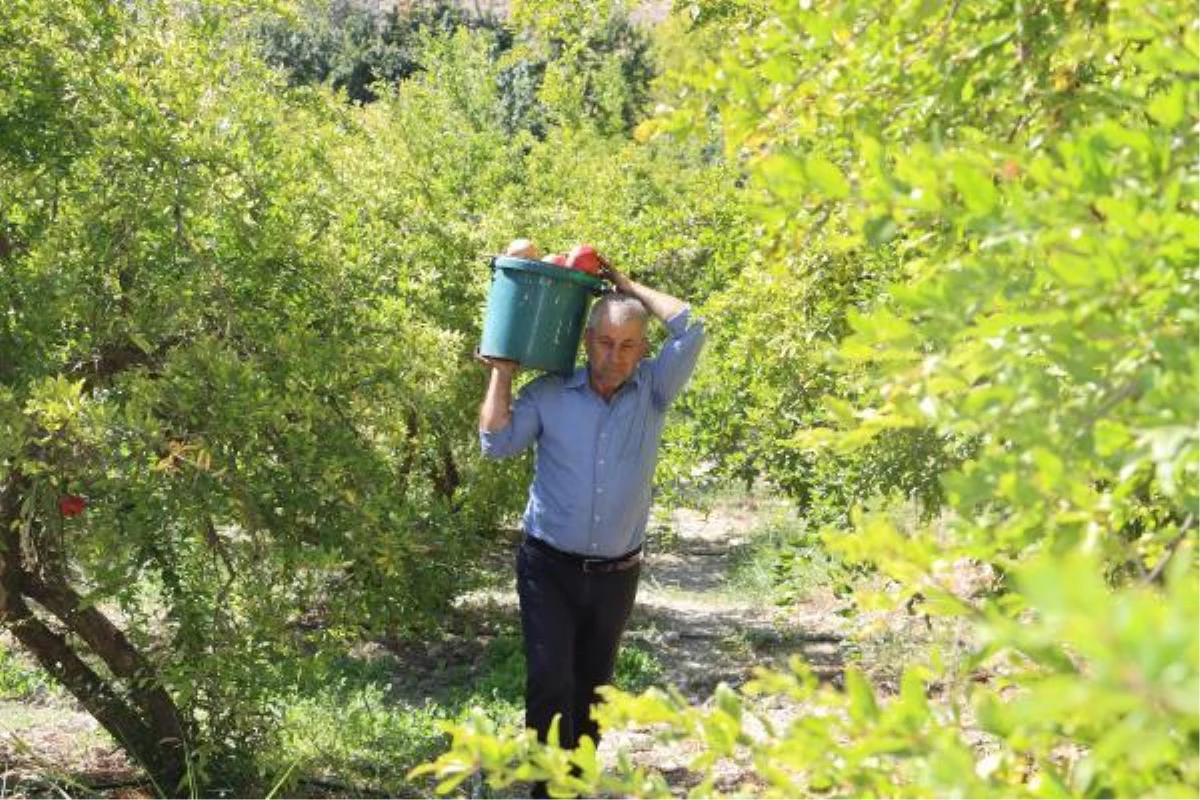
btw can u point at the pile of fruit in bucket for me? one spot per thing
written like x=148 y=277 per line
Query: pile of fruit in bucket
x=582 y=257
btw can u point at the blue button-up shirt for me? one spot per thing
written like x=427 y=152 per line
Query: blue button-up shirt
x=595 y=460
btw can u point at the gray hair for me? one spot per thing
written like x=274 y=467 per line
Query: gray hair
x=617 y=309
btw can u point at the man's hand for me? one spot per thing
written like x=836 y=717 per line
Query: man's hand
x=496 y=410
x=663 y=306
x=611 y=274
x=502 y=365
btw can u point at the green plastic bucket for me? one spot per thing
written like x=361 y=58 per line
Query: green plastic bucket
x=536 y=312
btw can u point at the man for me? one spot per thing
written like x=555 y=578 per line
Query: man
x=597 y=433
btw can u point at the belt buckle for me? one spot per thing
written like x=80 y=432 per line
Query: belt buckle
x=593 y=565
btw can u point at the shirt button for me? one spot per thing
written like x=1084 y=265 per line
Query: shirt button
x=601 y=462
x=599 y=490
x=596 y=518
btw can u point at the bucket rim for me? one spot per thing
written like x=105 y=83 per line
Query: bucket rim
x=548 y=270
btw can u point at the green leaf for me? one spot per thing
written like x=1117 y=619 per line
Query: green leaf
x=448 y=785
x=879 y=230
x=826 y=177
x=863 y=707
x=1049 y=468
x=1169 y=107
x=1111 y=437
x=976 y=188
x=913 y=697
x=584 y=759
x=783 y=173
x=729 y=701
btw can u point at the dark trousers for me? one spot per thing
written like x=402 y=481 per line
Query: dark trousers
x=572 y=620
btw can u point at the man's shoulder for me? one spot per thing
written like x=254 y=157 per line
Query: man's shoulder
x=547 y=381
x=545 y=385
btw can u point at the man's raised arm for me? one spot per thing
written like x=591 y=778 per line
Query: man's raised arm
x=495 y=413
x=662 y=305
x=676 y=361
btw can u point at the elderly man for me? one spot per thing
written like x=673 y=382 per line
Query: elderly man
x=597 y=433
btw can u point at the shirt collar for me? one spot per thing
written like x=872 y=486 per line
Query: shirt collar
x=578 y=378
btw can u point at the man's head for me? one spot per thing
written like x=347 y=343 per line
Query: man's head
x=615 y=341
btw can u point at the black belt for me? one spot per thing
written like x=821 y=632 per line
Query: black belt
x=618 y=564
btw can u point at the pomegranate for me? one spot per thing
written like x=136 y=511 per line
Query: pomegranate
x=71 y=505
x=523 y=248
x=585 y=258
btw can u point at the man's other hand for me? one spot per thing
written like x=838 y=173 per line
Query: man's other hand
x=503 y=365
x=614 y=276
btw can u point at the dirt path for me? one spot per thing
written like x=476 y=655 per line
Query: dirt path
x=706 y=632
x=703 y=632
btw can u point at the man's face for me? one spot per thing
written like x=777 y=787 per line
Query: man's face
x=614 y=352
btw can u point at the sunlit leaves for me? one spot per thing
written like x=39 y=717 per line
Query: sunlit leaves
x=1026 y=178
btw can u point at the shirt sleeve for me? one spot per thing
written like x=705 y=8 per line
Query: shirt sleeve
x=677 y=359
x=522 y=430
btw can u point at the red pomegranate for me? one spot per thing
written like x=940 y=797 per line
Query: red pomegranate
x=585 y=258
x=72 y=505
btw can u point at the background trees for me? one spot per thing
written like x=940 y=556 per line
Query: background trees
x=196 y=343
x=973 y=283
x=947 y=253
x=238 y=314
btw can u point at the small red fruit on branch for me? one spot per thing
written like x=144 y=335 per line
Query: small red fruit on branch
x=71 y=505
x=557 y=259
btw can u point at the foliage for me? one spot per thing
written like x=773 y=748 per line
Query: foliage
x=1128 y=707
x=352 y=48
x=976 y=227
x=593 y=63
x=560 y=65
x=237 y=319
x=19 y=680
x=209 y=339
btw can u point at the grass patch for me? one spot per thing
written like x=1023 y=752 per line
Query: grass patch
x=784 y=561
x=357 y=725
x=23 y=680
x=365 y=739
x=637 y=669
x=354 y=724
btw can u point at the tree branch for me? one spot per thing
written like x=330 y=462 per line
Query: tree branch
x=110 y=643
x=155 y=740
x=1156 y=574
x=97 y=696
x=10 y=544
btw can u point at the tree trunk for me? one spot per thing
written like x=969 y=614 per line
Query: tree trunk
x=145 y=720
x=446 y=478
